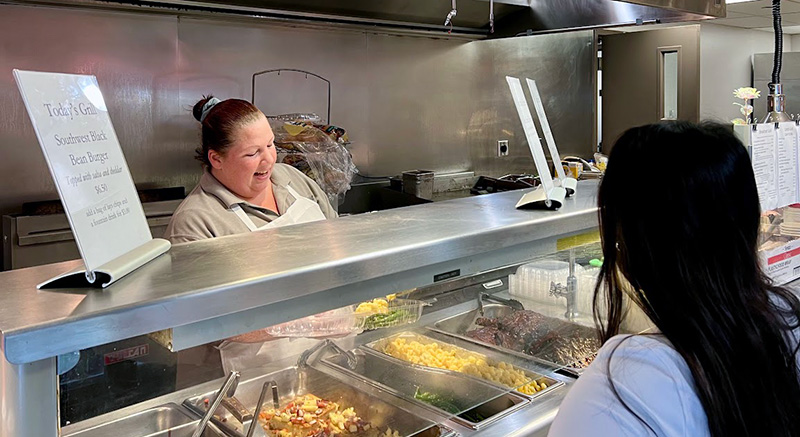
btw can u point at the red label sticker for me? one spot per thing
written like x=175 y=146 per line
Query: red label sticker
x=783 y=256
x=126 y=354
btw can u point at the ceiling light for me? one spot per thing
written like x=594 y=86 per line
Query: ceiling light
x=738 y=1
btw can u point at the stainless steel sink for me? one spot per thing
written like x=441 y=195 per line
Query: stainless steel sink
x=169 y=420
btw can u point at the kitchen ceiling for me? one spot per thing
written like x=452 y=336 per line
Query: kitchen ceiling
x=758 y=15
x=511 y=17
x=471 y=13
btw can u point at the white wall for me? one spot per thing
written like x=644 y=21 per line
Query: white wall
x=725 y=65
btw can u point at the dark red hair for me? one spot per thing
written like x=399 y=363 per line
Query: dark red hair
x=221 y=123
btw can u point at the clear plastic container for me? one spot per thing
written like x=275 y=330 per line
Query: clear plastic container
x=532 y=282
x=338 y=322
x=399 y=312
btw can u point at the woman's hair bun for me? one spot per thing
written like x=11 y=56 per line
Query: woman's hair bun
x=197 y=110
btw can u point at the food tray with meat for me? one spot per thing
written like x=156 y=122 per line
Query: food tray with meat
x=525 y=333
x=338 y=409
x=467 y=400
x=426 y=351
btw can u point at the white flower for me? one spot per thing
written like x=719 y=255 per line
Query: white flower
x=746 y=93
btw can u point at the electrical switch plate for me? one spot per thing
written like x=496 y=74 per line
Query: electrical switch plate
x=502 y=148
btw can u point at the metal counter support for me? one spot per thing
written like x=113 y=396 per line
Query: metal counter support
x=29 y=399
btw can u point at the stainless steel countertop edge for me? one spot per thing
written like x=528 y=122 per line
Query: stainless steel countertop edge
x=164 y=287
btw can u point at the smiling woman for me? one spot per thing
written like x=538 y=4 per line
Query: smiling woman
x=246 y=165
x=242 y=188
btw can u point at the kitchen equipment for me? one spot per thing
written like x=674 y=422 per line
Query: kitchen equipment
x=40 y=234
x=510 y=182
x=227 y=389
x=293 y=382
x=525 y=380
x=168 y=420
x=418 y=183
x=459 y=325
x=462 y=395
x=512 y=303
x=114 y=375
x=275 y=404
x=532 y=282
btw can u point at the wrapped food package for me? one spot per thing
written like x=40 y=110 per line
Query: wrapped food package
x=779 y=243
x=318 y=151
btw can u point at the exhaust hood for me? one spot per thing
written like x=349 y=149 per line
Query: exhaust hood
x=511 y=17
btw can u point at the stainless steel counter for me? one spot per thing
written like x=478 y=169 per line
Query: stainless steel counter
x=217 y=288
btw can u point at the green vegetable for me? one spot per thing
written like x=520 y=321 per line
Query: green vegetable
x=595 y=262
x=473 y=416
x=440 y=402
x=386 y=320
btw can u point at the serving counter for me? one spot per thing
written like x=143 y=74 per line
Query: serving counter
x=211 y=290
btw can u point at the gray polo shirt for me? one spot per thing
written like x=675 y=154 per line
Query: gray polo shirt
x=206 y=211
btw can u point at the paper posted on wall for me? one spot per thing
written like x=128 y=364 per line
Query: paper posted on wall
x=763 y=157
x=774 y=149
x=786 y=173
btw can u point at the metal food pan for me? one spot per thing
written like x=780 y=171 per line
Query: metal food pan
x=403 y=380
x=458 y=326
x=293 y=382
x=168 y=420
x=379 y=346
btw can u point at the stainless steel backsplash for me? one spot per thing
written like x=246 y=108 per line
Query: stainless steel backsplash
x=407 y=101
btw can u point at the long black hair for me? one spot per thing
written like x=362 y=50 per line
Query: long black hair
x=679 y=218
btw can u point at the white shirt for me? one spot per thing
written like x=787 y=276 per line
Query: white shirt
x=653 y=380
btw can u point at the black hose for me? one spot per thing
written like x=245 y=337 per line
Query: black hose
x=778 y=56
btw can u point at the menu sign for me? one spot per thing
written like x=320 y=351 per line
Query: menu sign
x=77 y=138
x=548 y=195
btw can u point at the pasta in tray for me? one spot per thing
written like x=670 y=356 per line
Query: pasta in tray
x=451 y=358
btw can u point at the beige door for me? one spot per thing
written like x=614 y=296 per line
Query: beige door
x=649 y=76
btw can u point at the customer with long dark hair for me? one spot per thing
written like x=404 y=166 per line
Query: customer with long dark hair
x=682 y=247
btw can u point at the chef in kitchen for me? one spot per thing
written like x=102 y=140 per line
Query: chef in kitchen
x=242 y=190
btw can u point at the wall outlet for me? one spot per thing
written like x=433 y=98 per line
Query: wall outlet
x=502 y=147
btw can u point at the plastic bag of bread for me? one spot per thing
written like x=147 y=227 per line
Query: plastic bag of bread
x=318 y=154
x=302 y=116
